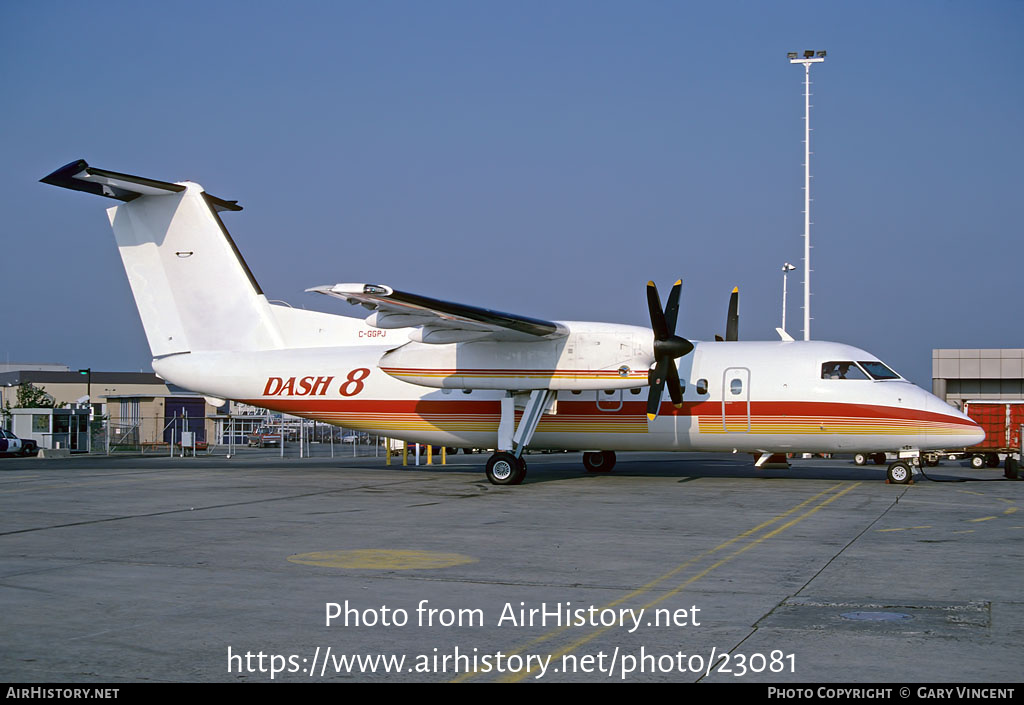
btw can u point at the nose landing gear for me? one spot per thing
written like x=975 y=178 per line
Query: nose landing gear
x=899 y=473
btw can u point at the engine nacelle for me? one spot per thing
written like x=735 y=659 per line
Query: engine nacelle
x=591 y=356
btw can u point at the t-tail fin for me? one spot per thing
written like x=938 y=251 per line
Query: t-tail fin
x=192 y=287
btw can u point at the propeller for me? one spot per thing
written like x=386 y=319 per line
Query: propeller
x=732 y=322
x=667 y=348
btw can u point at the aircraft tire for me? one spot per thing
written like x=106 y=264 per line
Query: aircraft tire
x=899 y=473
x=860 y=459
x=505 y=469
x=602 y=461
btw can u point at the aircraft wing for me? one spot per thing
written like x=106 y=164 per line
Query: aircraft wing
x=440 y=321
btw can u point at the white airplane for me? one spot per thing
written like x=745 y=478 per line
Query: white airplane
x=450 y=374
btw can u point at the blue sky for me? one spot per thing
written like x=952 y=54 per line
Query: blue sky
x=545 y=158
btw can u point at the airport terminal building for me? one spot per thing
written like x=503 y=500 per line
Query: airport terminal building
x=994 y=374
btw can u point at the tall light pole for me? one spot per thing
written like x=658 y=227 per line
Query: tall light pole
x=88 y=387
x=809 y=57
x=786 y=269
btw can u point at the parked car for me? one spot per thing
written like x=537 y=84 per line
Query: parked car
x=265 y=436
x=12 y=445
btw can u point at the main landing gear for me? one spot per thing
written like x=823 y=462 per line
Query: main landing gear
x=506 y=469
x=507 y=466
x=601 y=461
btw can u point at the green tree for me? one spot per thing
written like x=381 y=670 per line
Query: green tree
x=32 y=397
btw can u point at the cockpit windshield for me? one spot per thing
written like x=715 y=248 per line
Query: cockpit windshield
x=848 y=369
x=878 y=371
x=842 y=369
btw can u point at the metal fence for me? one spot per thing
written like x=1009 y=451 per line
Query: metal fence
x=255 y=436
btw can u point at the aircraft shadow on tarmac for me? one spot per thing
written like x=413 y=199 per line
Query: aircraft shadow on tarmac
x=688 y=467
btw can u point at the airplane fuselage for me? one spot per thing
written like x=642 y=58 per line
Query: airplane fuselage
x=738 y=396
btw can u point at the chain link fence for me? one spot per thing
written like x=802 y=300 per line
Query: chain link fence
x=248 y=435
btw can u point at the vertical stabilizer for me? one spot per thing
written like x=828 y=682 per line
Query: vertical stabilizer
x=191 y=285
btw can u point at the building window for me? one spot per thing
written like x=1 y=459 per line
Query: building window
x=130 y=415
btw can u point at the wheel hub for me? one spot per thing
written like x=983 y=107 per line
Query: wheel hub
x=502 y=470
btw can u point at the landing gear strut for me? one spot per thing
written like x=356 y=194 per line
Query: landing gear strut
x=507 y=467
x=602 y=461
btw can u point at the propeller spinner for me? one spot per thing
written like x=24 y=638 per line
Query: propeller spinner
x=667 y=348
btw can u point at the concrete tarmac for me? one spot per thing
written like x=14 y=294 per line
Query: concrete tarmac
x=678 y=568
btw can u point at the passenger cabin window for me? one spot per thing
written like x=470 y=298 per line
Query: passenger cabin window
x=702 y=386
x=842 y=369
x=878 y=371
x=736 y=386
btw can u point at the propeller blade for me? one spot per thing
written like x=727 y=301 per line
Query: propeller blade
x=656 y=378
x=658 y=323
x=672 y=307
x=732 y=325
x=675 y=390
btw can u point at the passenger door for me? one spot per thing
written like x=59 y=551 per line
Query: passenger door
x=736 y=400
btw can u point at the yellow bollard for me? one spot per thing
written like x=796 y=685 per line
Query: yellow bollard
x=444 y=455
x=387 y=450
x=405 y=452
x=430 y=456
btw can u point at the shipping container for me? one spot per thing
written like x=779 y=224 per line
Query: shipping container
x=1001 y=421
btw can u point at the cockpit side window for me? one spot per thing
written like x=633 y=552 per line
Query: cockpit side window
x=842 y=369
x=878 y=371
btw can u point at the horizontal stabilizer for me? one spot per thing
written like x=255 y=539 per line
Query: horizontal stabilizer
x=79 y=176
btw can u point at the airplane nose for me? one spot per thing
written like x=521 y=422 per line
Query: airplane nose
x=974 y=436
x=963 y=431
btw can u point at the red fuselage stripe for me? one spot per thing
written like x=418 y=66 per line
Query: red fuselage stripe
x=802 y=410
